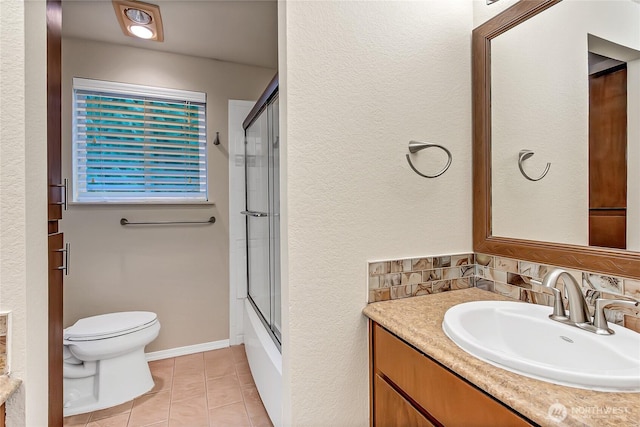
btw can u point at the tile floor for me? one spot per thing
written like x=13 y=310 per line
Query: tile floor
x=210 y=389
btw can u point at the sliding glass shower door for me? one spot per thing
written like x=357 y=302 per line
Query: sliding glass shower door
x=262 y=168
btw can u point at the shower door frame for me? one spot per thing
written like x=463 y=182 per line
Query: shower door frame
x=265 y=106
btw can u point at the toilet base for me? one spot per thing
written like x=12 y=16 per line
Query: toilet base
x=117 y=380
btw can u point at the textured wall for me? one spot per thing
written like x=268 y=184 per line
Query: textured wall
x=23 y=223
x=361 y=79
x=181 y=273
x=482 y=11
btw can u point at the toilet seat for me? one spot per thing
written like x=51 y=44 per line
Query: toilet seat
x=109 y=325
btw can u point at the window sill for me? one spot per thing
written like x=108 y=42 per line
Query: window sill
x=138 y=203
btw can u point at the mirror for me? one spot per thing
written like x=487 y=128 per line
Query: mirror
x=566 y=98
x=531 y=91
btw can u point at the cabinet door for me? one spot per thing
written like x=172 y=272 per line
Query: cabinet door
x=447 y=399
x=56 y=262
x=391 y=409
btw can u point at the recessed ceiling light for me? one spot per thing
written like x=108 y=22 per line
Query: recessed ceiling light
x=138 y=16
x=138 y=19
x=141 y=31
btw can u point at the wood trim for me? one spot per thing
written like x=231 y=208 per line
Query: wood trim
x=371 y=374
x=54 y=211
x=54 y=108
x=269 y=92
x=605 y=260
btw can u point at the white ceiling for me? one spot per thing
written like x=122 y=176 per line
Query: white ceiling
x=238 y=31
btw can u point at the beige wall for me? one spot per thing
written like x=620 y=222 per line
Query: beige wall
x=181 y=273
x=23 y=203
x=359 y=80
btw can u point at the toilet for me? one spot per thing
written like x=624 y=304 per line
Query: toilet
x=104 y=360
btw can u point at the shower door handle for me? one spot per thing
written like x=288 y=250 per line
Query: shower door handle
x=254 y=214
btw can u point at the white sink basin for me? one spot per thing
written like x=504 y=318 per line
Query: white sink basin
x=521 y=338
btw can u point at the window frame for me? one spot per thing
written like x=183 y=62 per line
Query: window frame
x=134 y=90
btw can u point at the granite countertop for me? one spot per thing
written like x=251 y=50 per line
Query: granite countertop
x=418 y=321
x=8 y=386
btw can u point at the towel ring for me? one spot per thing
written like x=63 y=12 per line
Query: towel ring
x=415 y=146
x=524 y=155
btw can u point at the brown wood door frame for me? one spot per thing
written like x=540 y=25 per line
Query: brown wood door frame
x=54 y=210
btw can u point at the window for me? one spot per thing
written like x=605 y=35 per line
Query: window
x=138 y=144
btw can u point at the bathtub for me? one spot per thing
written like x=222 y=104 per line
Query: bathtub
x=265 y=362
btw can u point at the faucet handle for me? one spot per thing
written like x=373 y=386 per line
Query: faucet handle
x=558 y=306
x=558 y=302
x=600 y=321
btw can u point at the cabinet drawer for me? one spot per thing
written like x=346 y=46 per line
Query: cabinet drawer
x=394 y=410
x=447 y=398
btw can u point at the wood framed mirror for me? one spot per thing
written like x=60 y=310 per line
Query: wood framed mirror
x=612 y=261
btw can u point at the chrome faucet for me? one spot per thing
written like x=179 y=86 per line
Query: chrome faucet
x=578 y=309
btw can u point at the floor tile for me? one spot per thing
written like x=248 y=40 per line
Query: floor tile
x=189 y=363
x=162 y=373
x=261 y=421
x=215 y=368
x=217 y=354
x=162 y=380
x=231 y=415
x=79 y=420
x=150 y=408
x=192 y=413
x=119 y=420
x=255 y=407
x=214 y=388
x=246 y=380
x=163 y=363
x=243 y=368
x=114 y=410
x=223 y=391
x=188 y=386
x=239 y=354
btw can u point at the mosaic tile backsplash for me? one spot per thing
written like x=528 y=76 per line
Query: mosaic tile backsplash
x=517 y=279
x=4 y=337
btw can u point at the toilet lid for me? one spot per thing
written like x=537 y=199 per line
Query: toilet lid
x=109 y=325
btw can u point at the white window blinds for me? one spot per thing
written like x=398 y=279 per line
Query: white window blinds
x=138 y=144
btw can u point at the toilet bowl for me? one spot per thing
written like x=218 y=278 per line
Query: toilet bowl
x=104 y=360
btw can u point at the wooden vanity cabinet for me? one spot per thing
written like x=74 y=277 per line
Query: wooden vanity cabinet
x=409 y=388
x=2 y=415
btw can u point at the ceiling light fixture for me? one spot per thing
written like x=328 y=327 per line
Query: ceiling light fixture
x=138 y=16
x=140 y=31
x=138 y=19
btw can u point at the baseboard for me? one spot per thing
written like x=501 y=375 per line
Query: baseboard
x=239 y=339
x=189 y=349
